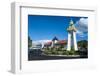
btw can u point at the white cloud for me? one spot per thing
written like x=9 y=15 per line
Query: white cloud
x=40 y=41
x=79 y=32
x=82 y=25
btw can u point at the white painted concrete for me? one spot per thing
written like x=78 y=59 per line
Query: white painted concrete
x=75 y=42
x=69 y=42
x=52 y=44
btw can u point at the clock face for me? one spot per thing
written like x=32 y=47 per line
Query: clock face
x=48 y=38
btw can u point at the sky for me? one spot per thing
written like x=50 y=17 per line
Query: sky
x=43 y=27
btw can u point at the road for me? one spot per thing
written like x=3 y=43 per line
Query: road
x=37 y=55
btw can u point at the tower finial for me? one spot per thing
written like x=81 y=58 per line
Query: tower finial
x=71 y=22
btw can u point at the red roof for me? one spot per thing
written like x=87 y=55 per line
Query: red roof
x=59 y=42
x=48 y=43
x=62 y=41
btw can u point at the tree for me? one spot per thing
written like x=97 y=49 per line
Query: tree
x=29 y=42
x=83 y=44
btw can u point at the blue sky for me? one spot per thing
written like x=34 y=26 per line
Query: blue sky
x=47 y=27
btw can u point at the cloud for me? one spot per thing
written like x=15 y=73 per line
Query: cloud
x=82 y=25
x=40 y=41
x=79 y=32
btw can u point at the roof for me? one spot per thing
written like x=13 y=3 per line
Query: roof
x=62 y=41
x=59 y=42
x=48 y=43
x=55 y=38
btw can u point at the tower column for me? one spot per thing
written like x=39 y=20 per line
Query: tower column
x=69 y=42
x=75 y=42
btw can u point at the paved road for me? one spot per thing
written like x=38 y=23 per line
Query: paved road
x=43 y=57
x=37 y=55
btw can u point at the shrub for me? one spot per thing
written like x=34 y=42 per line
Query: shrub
x=72 y=52
x=65 y=53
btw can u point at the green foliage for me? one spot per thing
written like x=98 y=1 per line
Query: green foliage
x=65 y=53
x=72 y=52
x=83 y=43
x=29 y=42
x=60 y=51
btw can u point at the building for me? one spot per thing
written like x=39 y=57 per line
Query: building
x=56 y=43
x=36 y=46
